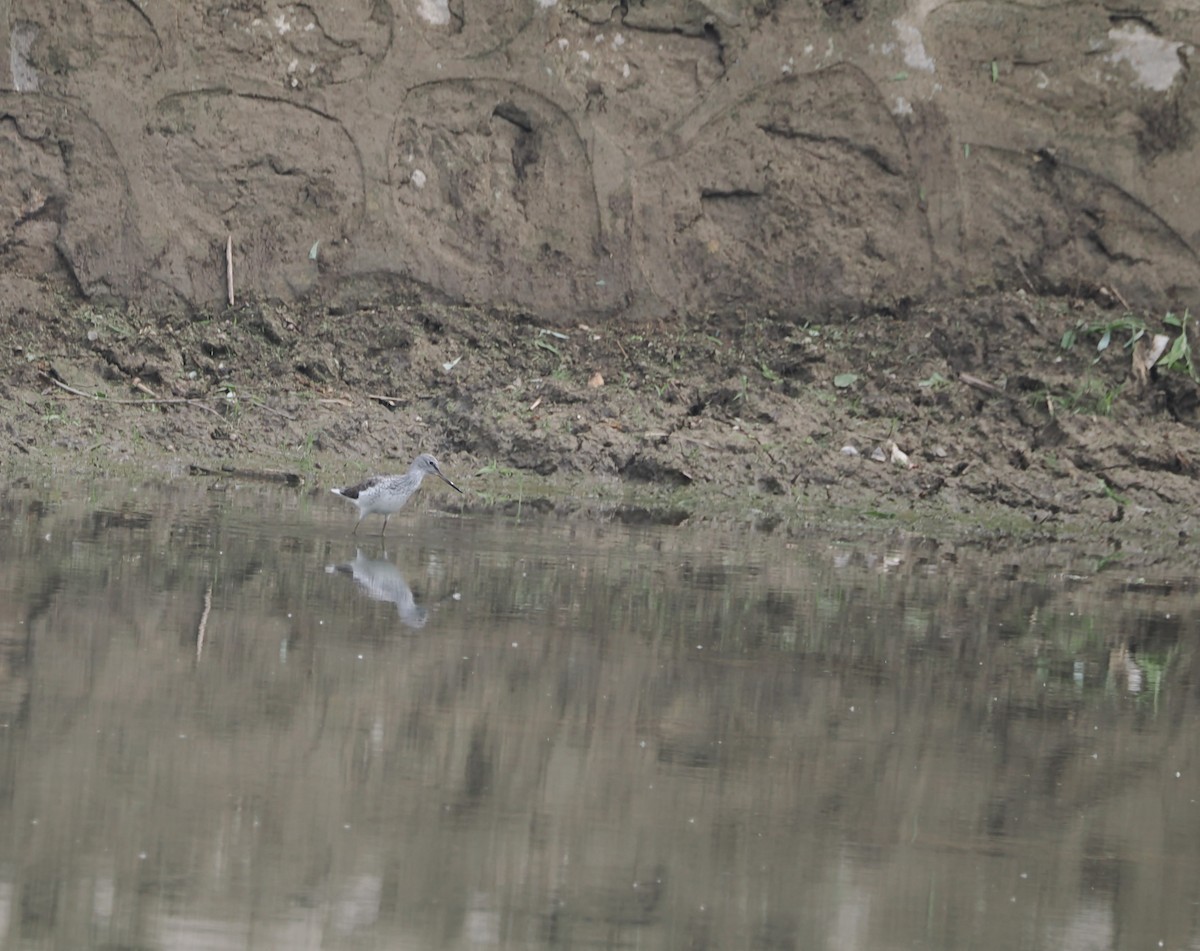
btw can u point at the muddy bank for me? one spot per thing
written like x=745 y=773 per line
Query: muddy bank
x=596 y=157
x=969 y=418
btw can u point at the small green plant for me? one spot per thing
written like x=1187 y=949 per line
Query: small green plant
x=106 y=320
x=307 y=461
x=1177 y=358
x=1135 y=327
x=1039 y=399
x=1180 y=354
x=1092 y=398
x=494 y=468
x=1106 y=399
x=1111 y=560
x=1107 y=488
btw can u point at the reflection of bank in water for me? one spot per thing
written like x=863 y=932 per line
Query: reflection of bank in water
x=382 y=581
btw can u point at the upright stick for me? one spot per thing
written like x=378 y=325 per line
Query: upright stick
x=229 y=267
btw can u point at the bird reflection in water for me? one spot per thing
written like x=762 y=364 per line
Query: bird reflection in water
x=382 y=581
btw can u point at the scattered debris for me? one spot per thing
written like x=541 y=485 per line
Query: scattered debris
x=898 y=456
x=1146 y=355
x=984 y=385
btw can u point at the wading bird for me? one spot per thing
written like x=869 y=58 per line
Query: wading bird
x=386 y=495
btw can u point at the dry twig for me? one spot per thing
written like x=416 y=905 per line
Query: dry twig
x=136 y=402
x=984 y=385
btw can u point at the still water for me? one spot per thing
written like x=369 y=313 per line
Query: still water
x=227 y=723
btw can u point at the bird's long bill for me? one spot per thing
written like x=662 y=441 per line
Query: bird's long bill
x=449 y=483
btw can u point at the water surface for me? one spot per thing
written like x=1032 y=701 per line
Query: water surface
x=227 y=723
